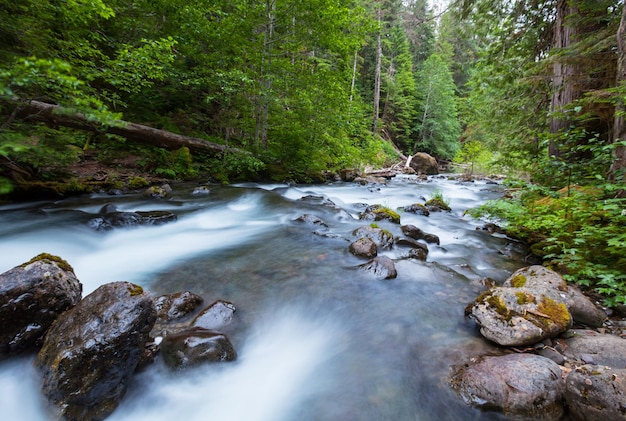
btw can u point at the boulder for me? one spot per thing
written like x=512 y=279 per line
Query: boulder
x=91 y=350
x=595 y=348
x=32 y=296
x=582 y=309
x=215 y=316
x=413 y=244
x=594 y=392
x=382 y=267
x=519 y=316
x=379 y=213
x=194 y=346
x=364 y=247
x=415 y=233
x=423 y=163
x=158 y=192
x=383 y=238
x=525 y=385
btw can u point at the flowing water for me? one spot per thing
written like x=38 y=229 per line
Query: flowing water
x=317 y=339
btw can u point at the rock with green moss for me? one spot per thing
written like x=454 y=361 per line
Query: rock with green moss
x=380 y=213
x=382 y=237
x=91 y=351
x=32 y=296
x=519 y=316
x=582 y=309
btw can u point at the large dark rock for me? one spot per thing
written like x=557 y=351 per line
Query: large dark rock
x=525 y=385
x=32 y=296
x=423 y=163
x=417 y=234
x=363 y=247
x=91 y=351
x=194 y=346
x=596 y=392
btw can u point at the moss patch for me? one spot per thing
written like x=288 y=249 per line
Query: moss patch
x=525 y=298
x=386 y=213
x=518 y=281
x=557 y=312
x=62 y=264
x=135 y=290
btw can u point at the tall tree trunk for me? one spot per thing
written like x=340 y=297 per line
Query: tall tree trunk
x=260 y=132
x=619 y=127
x=379 y=56
x=356 y=56
x=566 y=88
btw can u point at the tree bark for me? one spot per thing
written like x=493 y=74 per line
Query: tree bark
x=51 y=115
x=566 y=88
x=379 y=55
x=619 y=127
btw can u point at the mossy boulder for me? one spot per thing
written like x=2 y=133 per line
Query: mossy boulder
x=382 y=237
x=519 y=316
x=32 y=296
x=380 y=213
x=582 y=309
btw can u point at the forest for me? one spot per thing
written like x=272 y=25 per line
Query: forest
x=285 y=90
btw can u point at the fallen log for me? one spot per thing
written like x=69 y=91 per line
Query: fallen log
x=52 y=114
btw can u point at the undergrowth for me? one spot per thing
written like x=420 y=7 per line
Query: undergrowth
x=579 y=231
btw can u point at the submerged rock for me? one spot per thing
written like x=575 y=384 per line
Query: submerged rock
x=311 y=220
x=194 y=346
x=32 y=296
x=524 y=385
x=129 y=219
x=381 y=267
x=415 y=233
x=91 y=351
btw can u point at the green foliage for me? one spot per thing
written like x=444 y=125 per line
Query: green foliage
x=578 y=230
x=438 y=126
x=475 y=154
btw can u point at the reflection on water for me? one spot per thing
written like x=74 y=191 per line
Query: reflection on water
x=316 y=338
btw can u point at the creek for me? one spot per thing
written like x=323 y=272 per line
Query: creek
x=316 y=338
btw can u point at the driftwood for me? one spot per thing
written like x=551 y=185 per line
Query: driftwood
x=51 y=115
